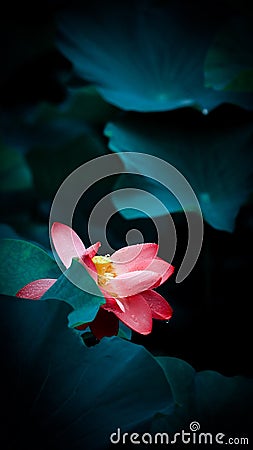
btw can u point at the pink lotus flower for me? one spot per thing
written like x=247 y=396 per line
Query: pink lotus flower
x=126 y=280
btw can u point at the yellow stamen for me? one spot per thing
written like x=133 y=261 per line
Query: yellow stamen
x=104 y=268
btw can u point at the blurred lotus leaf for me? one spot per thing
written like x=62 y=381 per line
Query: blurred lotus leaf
x=22 y=262
x=56 y=140
x=143 y=56
x=84 y=104
x=69 y=395
x=77 y=295
x=215 y=158
x=76 y=397
x=31 y=263
x=206 y=397
x=15 y=174
x=229 y=61
x=50 y=167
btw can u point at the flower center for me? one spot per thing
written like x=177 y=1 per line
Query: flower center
x=104 y=268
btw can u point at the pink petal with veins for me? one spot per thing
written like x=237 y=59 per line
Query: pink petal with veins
x=164 y=269
x=132 y=283
x=159 y=306
x=131 y=258
x=158 y=265
x=67 y=243
x=137 y=315
x=120 y=304
x=36 y=289
x=92 y=250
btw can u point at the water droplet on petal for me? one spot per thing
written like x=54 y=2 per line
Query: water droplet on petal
x=134 y=318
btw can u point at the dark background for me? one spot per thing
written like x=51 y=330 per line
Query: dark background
x=211 y=325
